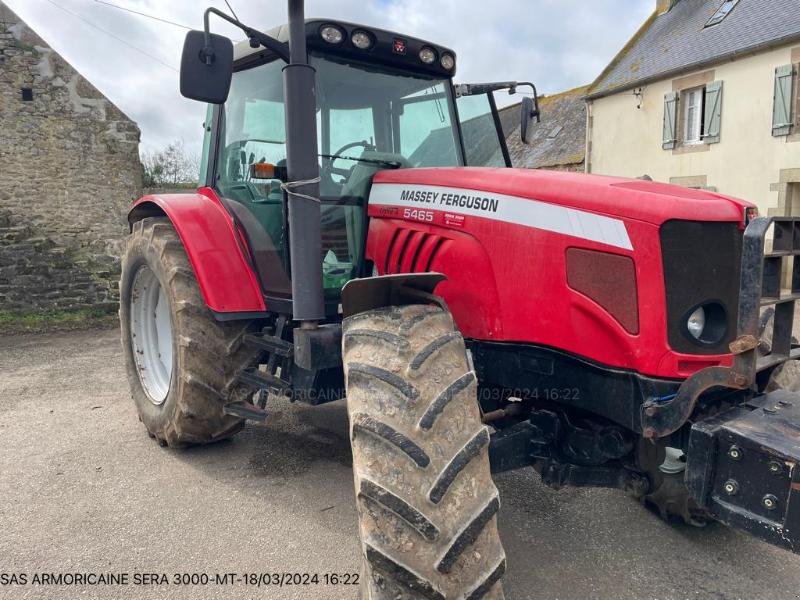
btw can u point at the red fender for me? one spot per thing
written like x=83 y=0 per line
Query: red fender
x=215 y=248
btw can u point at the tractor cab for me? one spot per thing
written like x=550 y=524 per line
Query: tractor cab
x=383 y=101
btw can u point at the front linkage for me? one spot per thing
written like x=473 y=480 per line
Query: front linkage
x=741 y=464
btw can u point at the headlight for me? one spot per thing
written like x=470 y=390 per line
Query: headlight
x=361 y=40
x=427 y=55
x=696 y=324
x=331 y=34
x=706 y=324
x=448 y=61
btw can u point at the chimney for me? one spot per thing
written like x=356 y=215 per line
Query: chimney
x=664 y=6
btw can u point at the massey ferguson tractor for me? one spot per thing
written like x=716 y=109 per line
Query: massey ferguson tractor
x=359 y=233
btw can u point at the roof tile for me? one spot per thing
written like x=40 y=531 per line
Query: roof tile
x=679 y=40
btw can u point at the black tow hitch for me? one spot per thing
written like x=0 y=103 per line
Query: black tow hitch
x=742 y=466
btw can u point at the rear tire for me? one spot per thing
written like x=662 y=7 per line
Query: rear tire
x=426 y=501
x=184 y=405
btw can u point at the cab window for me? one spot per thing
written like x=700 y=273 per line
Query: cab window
x=482 y=144
x=425 y=130
x=254 y=131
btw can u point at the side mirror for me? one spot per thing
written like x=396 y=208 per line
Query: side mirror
x=529 y=111
x=206 y=67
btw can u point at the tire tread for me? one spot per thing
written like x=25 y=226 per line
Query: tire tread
x=401 y=364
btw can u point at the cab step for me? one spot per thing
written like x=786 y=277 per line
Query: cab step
x=261 y=380
x=245 y=410
x=272 y=344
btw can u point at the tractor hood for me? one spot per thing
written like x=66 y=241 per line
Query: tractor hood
x=482 y=191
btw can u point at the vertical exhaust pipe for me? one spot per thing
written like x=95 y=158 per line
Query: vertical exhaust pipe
x=305 y=231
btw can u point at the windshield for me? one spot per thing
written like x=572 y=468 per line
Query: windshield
x=371 y=112
x=369 y=118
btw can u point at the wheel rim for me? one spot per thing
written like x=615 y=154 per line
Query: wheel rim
x=151 y=335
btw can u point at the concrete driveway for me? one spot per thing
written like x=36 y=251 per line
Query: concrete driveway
x=84 y=490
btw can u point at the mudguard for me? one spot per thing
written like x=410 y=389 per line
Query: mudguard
x=216 y=250
x=369 y=293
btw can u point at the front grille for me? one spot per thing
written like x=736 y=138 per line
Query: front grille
x=702 y=263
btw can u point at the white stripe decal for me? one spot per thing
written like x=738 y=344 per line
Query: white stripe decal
x=509 y=209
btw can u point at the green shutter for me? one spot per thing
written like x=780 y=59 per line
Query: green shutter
x=782 y=107
x=204 y=159
x=712 y=119
x=670 y=120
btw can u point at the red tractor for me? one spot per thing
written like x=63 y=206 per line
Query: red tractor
x=359 y=232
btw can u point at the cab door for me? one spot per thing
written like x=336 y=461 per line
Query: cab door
x=252 y=131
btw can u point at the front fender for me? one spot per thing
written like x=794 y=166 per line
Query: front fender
x=217 y=253
x=369 y=293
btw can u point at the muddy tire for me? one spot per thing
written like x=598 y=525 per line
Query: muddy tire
x=426 y=501
x=179 y=380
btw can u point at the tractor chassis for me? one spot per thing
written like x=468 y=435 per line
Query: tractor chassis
x=587 y=426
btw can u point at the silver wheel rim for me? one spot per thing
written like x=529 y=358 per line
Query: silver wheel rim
x=151 y=335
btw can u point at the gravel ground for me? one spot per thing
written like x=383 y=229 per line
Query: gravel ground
x=83 y=489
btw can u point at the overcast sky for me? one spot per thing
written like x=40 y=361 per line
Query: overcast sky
x=558 y=44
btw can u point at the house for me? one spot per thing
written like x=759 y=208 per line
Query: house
x=705 y=95
x=558 y=142
x=69 y=169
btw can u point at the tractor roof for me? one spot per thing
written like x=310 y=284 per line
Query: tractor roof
x=388 y=48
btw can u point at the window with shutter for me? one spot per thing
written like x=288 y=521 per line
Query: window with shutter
x=713 y=113
x=692 y=102
x=782 y=105
x=669 y=137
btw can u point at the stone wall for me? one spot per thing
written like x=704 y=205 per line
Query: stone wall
x=69 y=169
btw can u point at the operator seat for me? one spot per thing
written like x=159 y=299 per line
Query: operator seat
x=357 y=185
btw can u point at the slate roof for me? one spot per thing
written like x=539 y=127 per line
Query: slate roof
x=678 y=40
x=558 y=141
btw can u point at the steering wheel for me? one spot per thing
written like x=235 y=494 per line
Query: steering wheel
x=329 y=169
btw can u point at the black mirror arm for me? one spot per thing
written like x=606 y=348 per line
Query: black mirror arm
x=256 y=38
x=475 y=89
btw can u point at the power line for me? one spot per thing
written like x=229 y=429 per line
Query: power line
x=231 y=9
x=113 y=35
x=141 y=14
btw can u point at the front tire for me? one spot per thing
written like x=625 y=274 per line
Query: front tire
x=426 y=502
x=181 y=363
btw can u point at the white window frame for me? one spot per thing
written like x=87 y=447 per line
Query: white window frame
x=722 y=12
x=693 y=98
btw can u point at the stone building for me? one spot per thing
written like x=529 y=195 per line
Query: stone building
x=706 y=95
x=69 y=169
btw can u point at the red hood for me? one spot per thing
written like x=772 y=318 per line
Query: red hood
x=646 y=201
